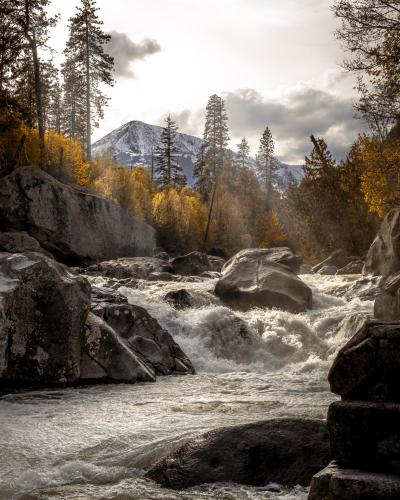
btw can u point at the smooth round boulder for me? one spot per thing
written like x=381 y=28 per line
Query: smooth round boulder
x=284 y=451
x=251 y=279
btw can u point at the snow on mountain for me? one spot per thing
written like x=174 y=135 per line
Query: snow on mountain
x=133 y=144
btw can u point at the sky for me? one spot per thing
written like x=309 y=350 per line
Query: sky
x=275 y=62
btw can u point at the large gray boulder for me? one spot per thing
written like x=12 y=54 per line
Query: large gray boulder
x=43 y=308
x=106 y=358
x=278 y=255
x=263 y=278
x=192 y=264
x=368 y=366
x=383 y=256
x=286 y=451
x=335 y=483
x=141 y=334
x=75 y=225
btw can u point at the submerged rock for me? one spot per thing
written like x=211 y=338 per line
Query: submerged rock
x=335 y=483
x=383 y=256
x=180 y=299
x=131 y=267
x=263 y=278
x=286 y=451
x=43 y=308
x=75 y=225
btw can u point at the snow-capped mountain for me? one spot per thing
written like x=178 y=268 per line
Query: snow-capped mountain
x=133 y=144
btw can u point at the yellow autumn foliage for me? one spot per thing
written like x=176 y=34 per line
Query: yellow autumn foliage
x=272 y=233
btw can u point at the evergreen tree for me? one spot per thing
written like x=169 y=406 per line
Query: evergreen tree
x=86 y=58
x=33 y=23
x=215 y=142
x=73 y=116
x=243 y=152
x=320 y=159
x=167 y=168
x=266 y=164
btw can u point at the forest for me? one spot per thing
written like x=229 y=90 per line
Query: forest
x=47 y=115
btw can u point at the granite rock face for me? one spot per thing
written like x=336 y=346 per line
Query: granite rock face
x=43 y=309
x=75 y=225
x=383 y=256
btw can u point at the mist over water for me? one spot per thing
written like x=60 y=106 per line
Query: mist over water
x=96 y=442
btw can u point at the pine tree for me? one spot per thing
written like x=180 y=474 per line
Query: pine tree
x=320 y=160
x=92 y=66
x=33 y=23
x=73 y=117
x=266 y=163
x=167 y=168
x=243 y=152
x=215 y=142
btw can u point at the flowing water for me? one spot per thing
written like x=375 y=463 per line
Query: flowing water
x=96 y=442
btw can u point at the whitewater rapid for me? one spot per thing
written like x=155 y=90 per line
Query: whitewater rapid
x=97 y=442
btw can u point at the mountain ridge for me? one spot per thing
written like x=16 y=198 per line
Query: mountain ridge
x=134 y=142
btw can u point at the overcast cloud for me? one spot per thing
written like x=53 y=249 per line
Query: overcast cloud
x=125 y=51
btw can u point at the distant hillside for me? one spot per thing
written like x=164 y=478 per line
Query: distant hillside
x=134 y=142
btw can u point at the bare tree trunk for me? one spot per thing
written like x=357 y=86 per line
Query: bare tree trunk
x=88 y=114
x=209 y=215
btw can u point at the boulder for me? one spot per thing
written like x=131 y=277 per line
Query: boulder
x=143 y=335
x=353 y=267
x=278 y=255
x=335 y=483
x=328 y=270
x=338 y=258
x=161 y=254
x=106 y=358
x=286 y=451
x=252 y=279
x=131 y=267
x=216 y=263
x=43 y=308
x=387 y=304
x=75 y=225
x=383 y=257
x=306 y=269
x=365 y=435
x=366 y=288
x=179 y=299
x=368 y=366
x=19 y=242
x=193 y=263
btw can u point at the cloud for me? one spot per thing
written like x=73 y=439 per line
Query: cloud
x=293 y=117
x=125 y=51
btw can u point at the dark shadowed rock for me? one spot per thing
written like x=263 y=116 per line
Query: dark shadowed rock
x=335 y=483
x=354 y=267
x=106 y=358
x=387 y=304
x=383 y=256
x=75 y=225
x=366 y=288
x=258 y=278
x=216 y=263
x=328 y=270
x=144 y=336
x=368 y=366
x=180 y=299
x=193 y=263
x=43 y=312
x=286 y=451
x=130 y=267
x=19 y=242
x=306 y=269
x=338 y=258
x=365 y=435
x=278 y=255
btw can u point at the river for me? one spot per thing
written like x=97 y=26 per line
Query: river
x=96 y=442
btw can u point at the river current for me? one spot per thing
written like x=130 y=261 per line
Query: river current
x=97 y=442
